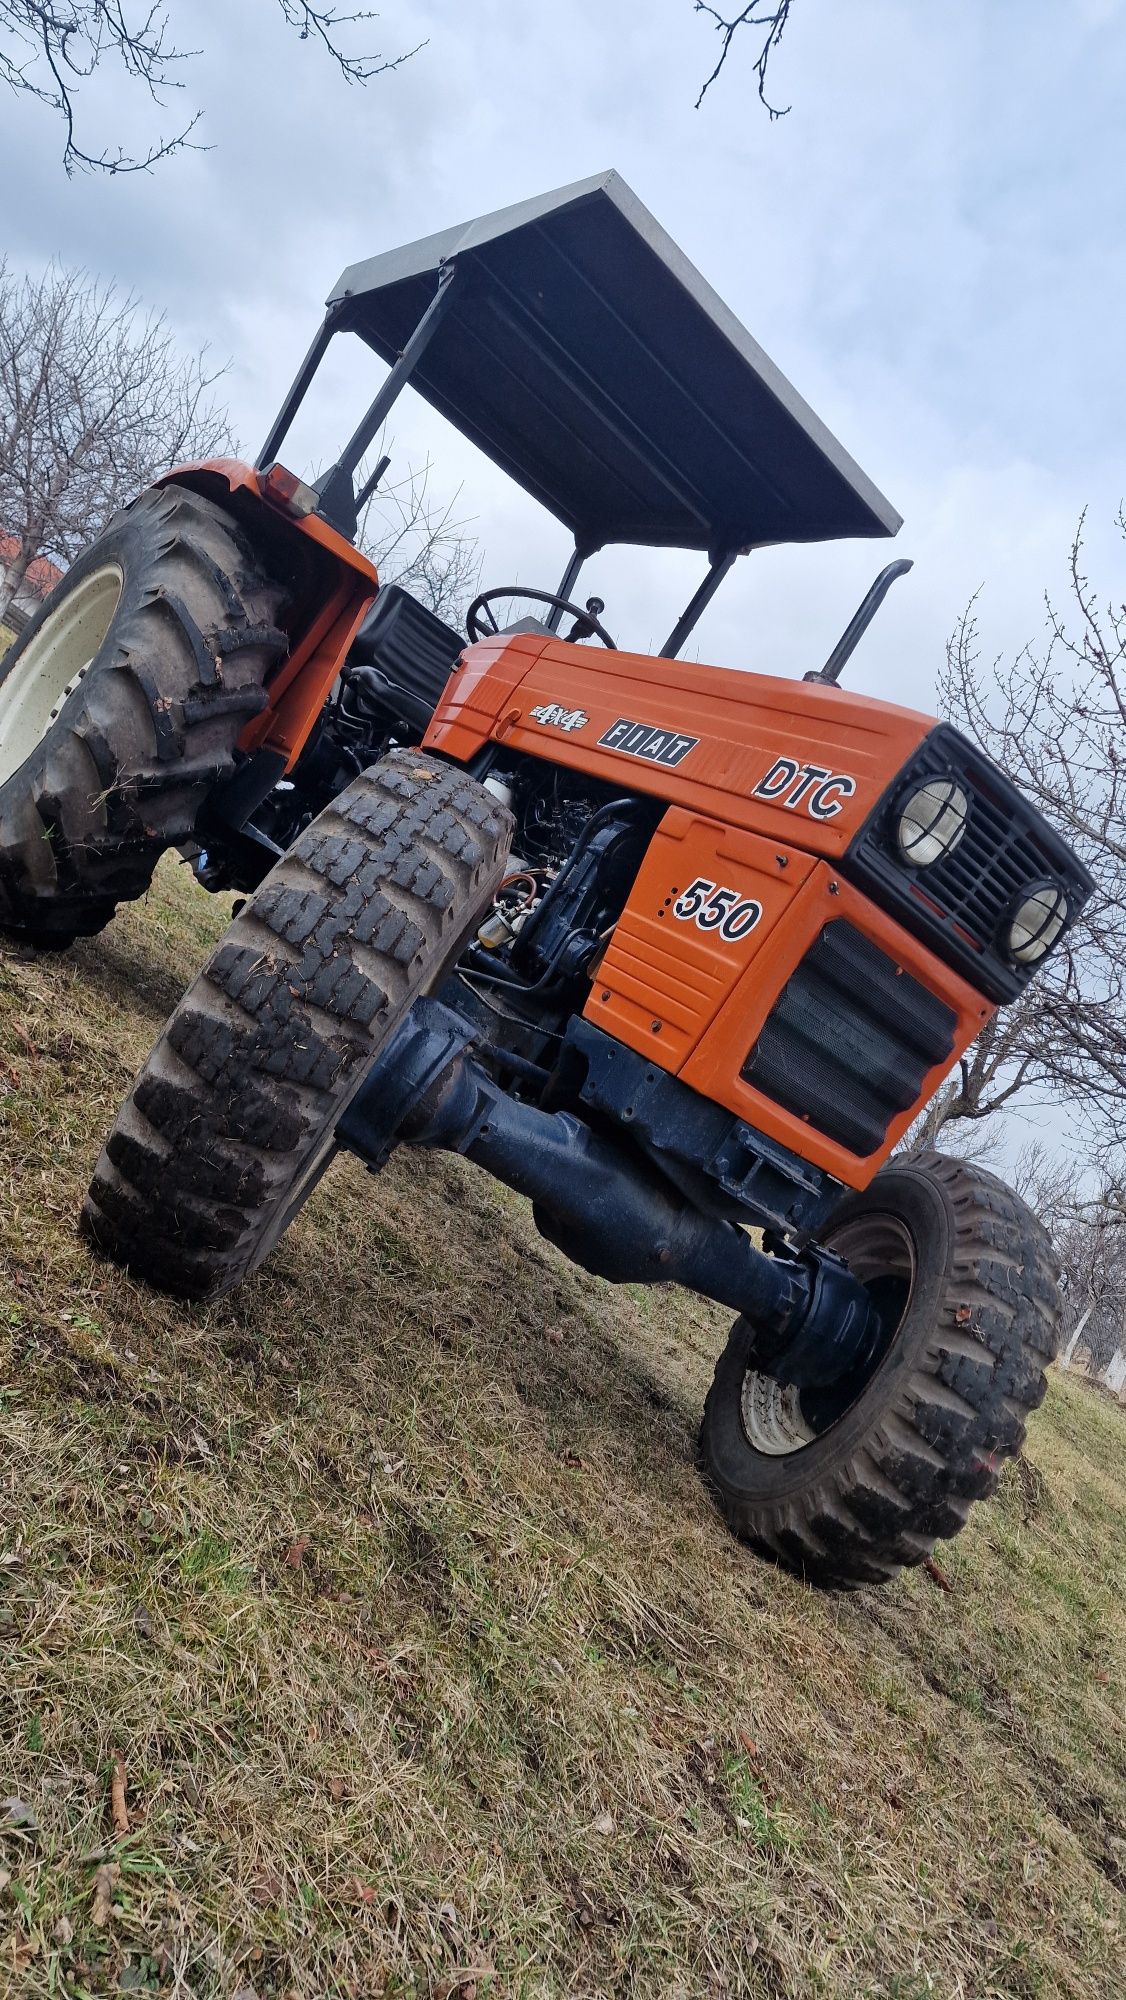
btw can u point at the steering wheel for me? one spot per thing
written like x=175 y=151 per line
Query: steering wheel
x=586 y=621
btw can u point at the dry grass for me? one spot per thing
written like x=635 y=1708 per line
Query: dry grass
x=433 y=1670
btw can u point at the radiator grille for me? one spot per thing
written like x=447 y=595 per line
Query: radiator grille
x=850 y=1040
x=962 y=905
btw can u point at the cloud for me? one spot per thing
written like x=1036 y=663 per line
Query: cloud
x=921 y=244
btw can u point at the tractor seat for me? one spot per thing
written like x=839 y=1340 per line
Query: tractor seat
x=410 y=649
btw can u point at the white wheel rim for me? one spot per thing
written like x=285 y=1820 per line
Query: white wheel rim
x=53 y=663
x=771 y=1412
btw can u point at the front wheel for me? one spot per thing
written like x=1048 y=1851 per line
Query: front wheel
x=849 y=1485
x=231 y=1122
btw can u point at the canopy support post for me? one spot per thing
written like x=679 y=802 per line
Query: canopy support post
x=581 y=554
x=337 y=488
x=297 y=393
x=721 y=562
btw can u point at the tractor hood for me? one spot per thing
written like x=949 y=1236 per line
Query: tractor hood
x=589 y=359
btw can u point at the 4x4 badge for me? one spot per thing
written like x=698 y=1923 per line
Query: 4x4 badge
x=550 y=715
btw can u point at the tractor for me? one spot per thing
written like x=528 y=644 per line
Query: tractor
x=679 y=952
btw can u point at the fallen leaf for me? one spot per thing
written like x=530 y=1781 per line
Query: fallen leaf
x=336 y=1787
x=267 y=1889
x=5 y=1877
x=18 y=1814
x=119 y=1811
x=603 y=1824
x=295 y=1553
x=63 y=1931
x=105 y=1882
x=749 y=1745
x=936 y=1574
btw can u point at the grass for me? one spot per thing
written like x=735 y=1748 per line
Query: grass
x=431 y=1667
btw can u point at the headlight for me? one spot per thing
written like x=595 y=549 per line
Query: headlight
x=932 y=822
x=1036 y=923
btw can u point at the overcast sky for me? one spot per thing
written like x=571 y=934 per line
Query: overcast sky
x=930 y=246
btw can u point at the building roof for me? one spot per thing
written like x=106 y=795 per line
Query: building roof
x=42 y=574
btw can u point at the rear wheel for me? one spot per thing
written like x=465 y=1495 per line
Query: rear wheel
x=848 y=1485
x=120 y=706
x=231 y=1122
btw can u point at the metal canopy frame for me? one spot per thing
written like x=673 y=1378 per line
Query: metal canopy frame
x=571 y=340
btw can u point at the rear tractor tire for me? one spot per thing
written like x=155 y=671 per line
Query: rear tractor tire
x=849 y=1485
x=231 y=1123
x=120 y=707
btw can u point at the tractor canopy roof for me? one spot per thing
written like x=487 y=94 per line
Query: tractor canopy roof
x=585 y=355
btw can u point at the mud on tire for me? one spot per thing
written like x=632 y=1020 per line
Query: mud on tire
x=230 y=1123
x=853 y=1497
x=151 y=719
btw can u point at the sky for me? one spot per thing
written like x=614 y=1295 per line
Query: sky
x=929 y=245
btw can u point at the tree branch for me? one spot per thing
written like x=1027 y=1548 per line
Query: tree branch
x=48 y=48
x=769 y=14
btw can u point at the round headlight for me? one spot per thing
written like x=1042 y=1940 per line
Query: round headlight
x=931 y=822
x=1036 y=923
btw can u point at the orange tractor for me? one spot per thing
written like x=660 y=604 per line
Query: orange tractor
x=678 y=952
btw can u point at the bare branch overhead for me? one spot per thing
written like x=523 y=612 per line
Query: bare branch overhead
x=50 y=48
x=771 y=15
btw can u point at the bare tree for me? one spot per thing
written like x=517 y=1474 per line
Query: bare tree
x=49 y=48
x=1091 y=1245
x=422 y=543
x=95 y=400
x=771 y=15
x=1050 y=1182
x=1054 y=718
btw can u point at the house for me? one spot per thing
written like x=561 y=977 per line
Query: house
x=41 y=578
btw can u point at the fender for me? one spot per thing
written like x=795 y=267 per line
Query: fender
x=332 y=585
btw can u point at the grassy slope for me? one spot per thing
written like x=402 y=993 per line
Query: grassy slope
x=431 y=1666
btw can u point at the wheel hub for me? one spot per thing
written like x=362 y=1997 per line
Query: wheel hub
x=780 y=1415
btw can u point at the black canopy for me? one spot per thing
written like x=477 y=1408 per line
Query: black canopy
x=590 y=360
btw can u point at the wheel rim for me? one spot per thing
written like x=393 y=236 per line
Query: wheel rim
x=779 y=1419
x=53 y=663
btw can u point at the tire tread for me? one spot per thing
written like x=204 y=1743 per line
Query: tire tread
x=939 y=1442
x=265 y=1049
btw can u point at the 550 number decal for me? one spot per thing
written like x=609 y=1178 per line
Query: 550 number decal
x=714 y=908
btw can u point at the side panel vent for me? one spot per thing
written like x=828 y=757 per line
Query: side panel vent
x=850 y=1040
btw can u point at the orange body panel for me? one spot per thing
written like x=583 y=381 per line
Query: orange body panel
x=744 y=724
x=777 y=777
x=693 y=1004
x=766 y=780
x=332 y=587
